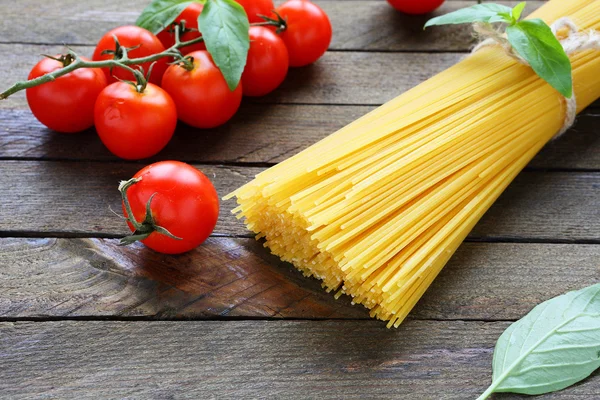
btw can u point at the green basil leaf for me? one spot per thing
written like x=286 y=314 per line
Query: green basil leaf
x=554 y=346
x=534 y=41
x=161 y=13
x=518 y=10
x=487 y=12
x=224 y=26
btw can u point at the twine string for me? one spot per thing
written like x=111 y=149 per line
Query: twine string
x=574 y=41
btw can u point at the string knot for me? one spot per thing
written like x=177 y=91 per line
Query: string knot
x=574 y=41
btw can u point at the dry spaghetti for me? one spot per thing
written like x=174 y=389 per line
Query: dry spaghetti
x=376 y=209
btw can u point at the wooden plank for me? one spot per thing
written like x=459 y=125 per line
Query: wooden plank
x=69 y=198
x=61 y=197
x=259 y=134
x=343 y=78
x=253 y=359
x=357 y=25
x=337 y=78
x=225 y=277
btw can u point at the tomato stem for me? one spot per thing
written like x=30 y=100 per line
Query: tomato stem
x=280 y=23
x=144 y=229
x=121 y=60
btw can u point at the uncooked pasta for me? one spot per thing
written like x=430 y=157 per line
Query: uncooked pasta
x=376 y=209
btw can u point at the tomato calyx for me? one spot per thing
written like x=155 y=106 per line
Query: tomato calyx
x=280 y=23
x=183 y=29
x=142 y=230
x=120 y=52
x=141 y=80
x=64 y=59
x=185 y=62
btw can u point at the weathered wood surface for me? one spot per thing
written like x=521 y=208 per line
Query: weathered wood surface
x=57 y=185
x=69 y=198
x=358 y=24
x=337 y=78
x=253 y=359
x=236 y=277
x=260 y=134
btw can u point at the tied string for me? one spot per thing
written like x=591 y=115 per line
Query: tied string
x=573 y=42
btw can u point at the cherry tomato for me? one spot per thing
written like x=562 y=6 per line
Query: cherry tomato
x=131 y=36
x=185 y=203
x=66 y=104
x=201 y=95
x=415 y=7
x=267 y=63
x=254 y=8
x=190 y=15
x=308 y=32
x=134 y=125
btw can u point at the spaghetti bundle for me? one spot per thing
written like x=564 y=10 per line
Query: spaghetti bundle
x=376 y=209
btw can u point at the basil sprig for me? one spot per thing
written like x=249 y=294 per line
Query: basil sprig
x=554 y=346
x=532 y=39
x=224 y=26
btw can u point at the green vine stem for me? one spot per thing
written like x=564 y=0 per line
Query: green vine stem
x=122 y=59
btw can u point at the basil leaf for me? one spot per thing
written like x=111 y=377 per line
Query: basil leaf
x=534 y=41
x=518 y=10
x=554 y=346
x=160 y=13
x=224 y=26
x=487 y=12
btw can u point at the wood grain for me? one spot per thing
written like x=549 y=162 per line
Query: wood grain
x=253 y=359
x=337 y=78
x=61 y=197
x=238 y=278
x=260 y=134
x=73 y=198
x=76 y=23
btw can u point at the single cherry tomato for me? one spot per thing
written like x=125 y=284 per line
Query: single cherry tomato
x=184 y=202
x=308 y=32
x=415 y=7
x=201 y=94
x=255 y=8
x=134 y=125
x=66 y=104
x=267 y=63
x=190 y=15
x=130 y=37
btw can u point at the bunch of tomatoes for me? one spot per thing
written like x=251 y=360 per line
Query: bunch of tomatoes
x=171 y=206
x=135 y=117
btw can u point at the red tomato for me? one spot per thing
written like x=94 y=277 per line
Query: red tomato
x=201 y=95
x=267 y=63
x=190 y=16
x=67 y=103
x=134 y=125
x=254 y=8
x=308 y=32
x=185 y=203
x=131 y=36
x=415 y=6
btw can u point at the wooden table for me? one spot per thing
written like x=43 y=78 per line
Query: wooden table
x=83 y=318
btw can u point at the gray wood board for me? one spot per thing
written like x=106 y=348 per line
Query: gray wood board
x=337 y=78
x=238 y=278
x=260 y=134
x=76 y=23
x=74 y=198
x=253 y=359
